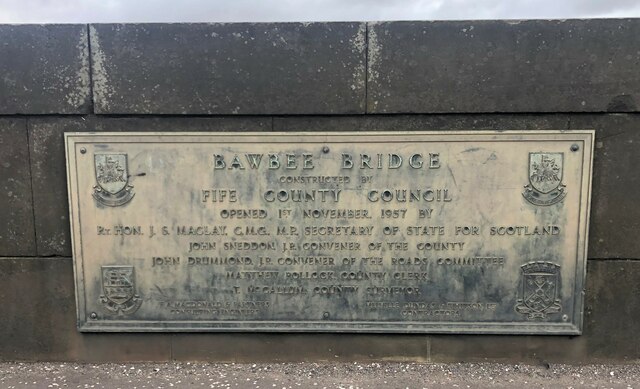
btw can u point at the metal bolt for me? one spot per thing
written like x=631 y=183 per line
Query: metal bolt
x=93 y=315
x=325 y=315
x=575 y=147
x=565 y=317
x=325 y=149
x=83 y=150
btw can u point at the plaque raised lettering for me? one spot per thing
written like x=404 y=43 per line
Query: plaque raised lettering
x=431 y=232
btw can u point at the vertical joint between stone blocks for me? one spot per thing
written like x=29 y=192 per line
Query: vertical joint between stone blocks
x=366 y=68
x=91 y=96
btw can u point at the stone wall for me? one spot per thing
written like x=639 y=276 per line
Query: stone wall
x=393 y=76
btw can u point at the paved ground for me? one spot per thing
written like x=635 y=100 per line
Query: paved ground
x=313 y=375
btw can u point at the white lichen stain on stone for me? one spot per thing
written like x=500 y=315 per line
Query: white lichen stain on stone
x=359 y=44
x=77 y=97
x=359 y=40
x=102 y=90
x=57 y=243
x=374 y=50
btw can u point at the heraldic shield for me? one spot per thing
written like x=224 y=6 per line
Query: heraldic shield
x=545 y=179
x=112 y=176
x=118 y=288
x=539 y=293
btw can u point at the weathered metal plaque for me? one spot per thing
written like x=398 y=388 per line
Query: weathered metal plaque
x=443 y=232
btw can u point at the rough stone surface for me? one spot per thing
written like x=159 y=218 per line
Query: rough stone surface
x=611 y=310
x=608 y=319
x=46 y=141
x=39 y=322
x=504 y=66
x=615 y=214
x=283 y=68
x=17 y=236
x=42 y=296
x=45 y=69
x=267 y=347
x=421 y=122
x=51 y=209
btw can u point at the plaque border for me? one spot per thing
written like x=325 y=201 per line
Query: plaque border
x=584 y=138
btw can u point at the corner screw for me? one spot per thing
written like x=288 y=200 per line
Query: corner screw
x=565 y=317
x=575 y=147
x=83 y=150
x=325 y=149
x=93 y=316
x=325 y=315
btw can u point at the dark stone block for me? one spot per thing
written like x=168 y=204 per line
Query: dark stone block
x=50 y=204
x=267 y=347
x=241 y=68
x=615 y=214
x=46 y=141
x=45 y=69
x=421 y=123
x=17 y=235
x=39 y=324
x=612 y=309
x=608 y=321
x=38 y=321
x=504 y=66
x=509 y=349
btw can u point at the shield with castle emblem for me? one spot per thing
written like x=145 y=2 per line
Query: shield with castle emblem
x=111 y=172
x=117 y=283
x=118 y=288
x=112 y=176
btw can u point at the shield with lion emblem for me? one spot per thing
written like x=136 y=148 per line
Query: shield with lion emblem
x=545 y=171
x=545 y=178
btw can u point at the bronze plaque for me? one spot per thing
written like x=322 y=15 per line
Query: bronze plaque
x=441 y=232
